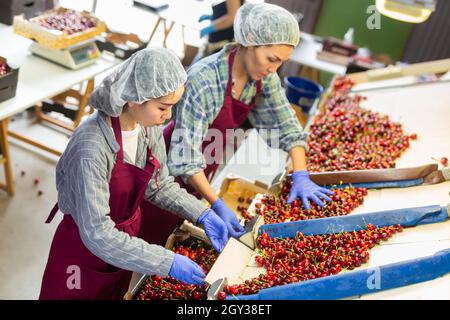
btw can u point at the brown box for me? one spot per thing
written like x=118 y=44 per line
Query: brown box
x=120 y=44
x=233 y=188
x=189 y=54
x=8 y=82
x=177 y=237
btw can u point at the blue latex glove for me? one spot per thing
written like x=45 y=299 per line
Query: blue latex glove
x=305 y=189
x=204 y=17
x=215 y=229
x=207 y=30
x=234 y=228
x=186 y=270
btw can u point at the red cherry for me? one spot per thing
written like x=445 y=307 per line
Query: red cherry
x=221 y=296
x=196 y=295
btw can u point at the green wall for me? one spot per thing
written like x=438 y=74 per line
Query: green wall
x=337 y=16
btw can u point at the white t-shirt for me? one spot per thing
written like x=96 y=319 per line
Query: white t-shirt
x=130 y=142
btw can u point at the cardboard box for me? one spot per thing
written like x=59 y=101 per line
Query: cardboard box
x=234 y=187
x=8 y=82
x=179 y=236
x=121 y=45
x=190 y=52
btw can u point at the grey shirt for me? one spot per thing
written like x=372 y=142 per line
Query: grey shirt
x=82 y=181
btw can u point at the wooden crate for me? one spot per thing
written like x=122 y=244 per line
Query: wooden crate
x=54 y=39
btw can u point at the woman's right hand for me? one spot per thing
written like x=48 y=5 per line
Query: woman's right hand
x=229 y=218
x=186 y=270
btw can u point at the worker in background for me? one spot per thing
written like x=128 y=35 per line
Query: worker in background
x=220 y=30
x=114 y=161
x=225 y=89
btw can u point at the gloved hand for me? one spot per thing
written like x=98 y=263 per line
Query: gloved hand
x=204 y=17
x=305 y=189
x=234 y=228
x=215 y=229
x=186 y=270
x=207 y=30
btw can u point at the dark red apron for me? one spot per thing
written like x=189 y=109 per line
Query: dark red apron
x=99 y=280
x=231 y=116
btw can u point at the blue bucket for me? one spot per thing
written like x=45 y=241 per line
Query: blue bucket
x=302 y=92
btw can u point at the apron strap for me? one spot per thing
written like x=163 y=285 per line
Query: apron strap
x=115 y=122
x=228 y=97
x=152 y=162
x=52 y=213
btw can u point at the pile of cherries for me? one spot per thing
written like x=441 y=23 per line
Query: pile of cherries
x=69 y=21
x=274 y=209
x=168 y=288
x=348 y=137
x=4 y=69
x=289 y=260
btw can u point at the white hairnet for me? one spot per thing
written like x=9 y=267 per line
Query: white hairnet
x=258 y=24
x=148 y=74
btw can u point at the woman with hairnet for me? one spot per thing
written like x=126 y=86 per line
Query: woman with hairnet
x=114 y=161
x=238 y=83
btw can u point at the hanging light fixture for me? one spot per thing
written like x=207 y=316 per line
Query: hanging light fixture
x=413 y=11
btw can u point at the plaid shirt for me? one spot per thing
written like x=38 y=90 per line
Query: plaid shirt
x=204 y=97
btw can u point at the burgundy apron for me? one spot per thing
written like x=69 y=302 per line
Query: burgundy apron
x=98 y=279
x=231 y=116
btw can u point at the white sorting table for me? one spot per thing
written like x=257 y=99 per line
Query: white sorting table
x=306 y=54
x=422 y=109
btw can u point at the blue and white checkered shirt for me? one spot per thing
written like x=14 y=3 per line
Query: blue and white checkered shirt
x=203 y=99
